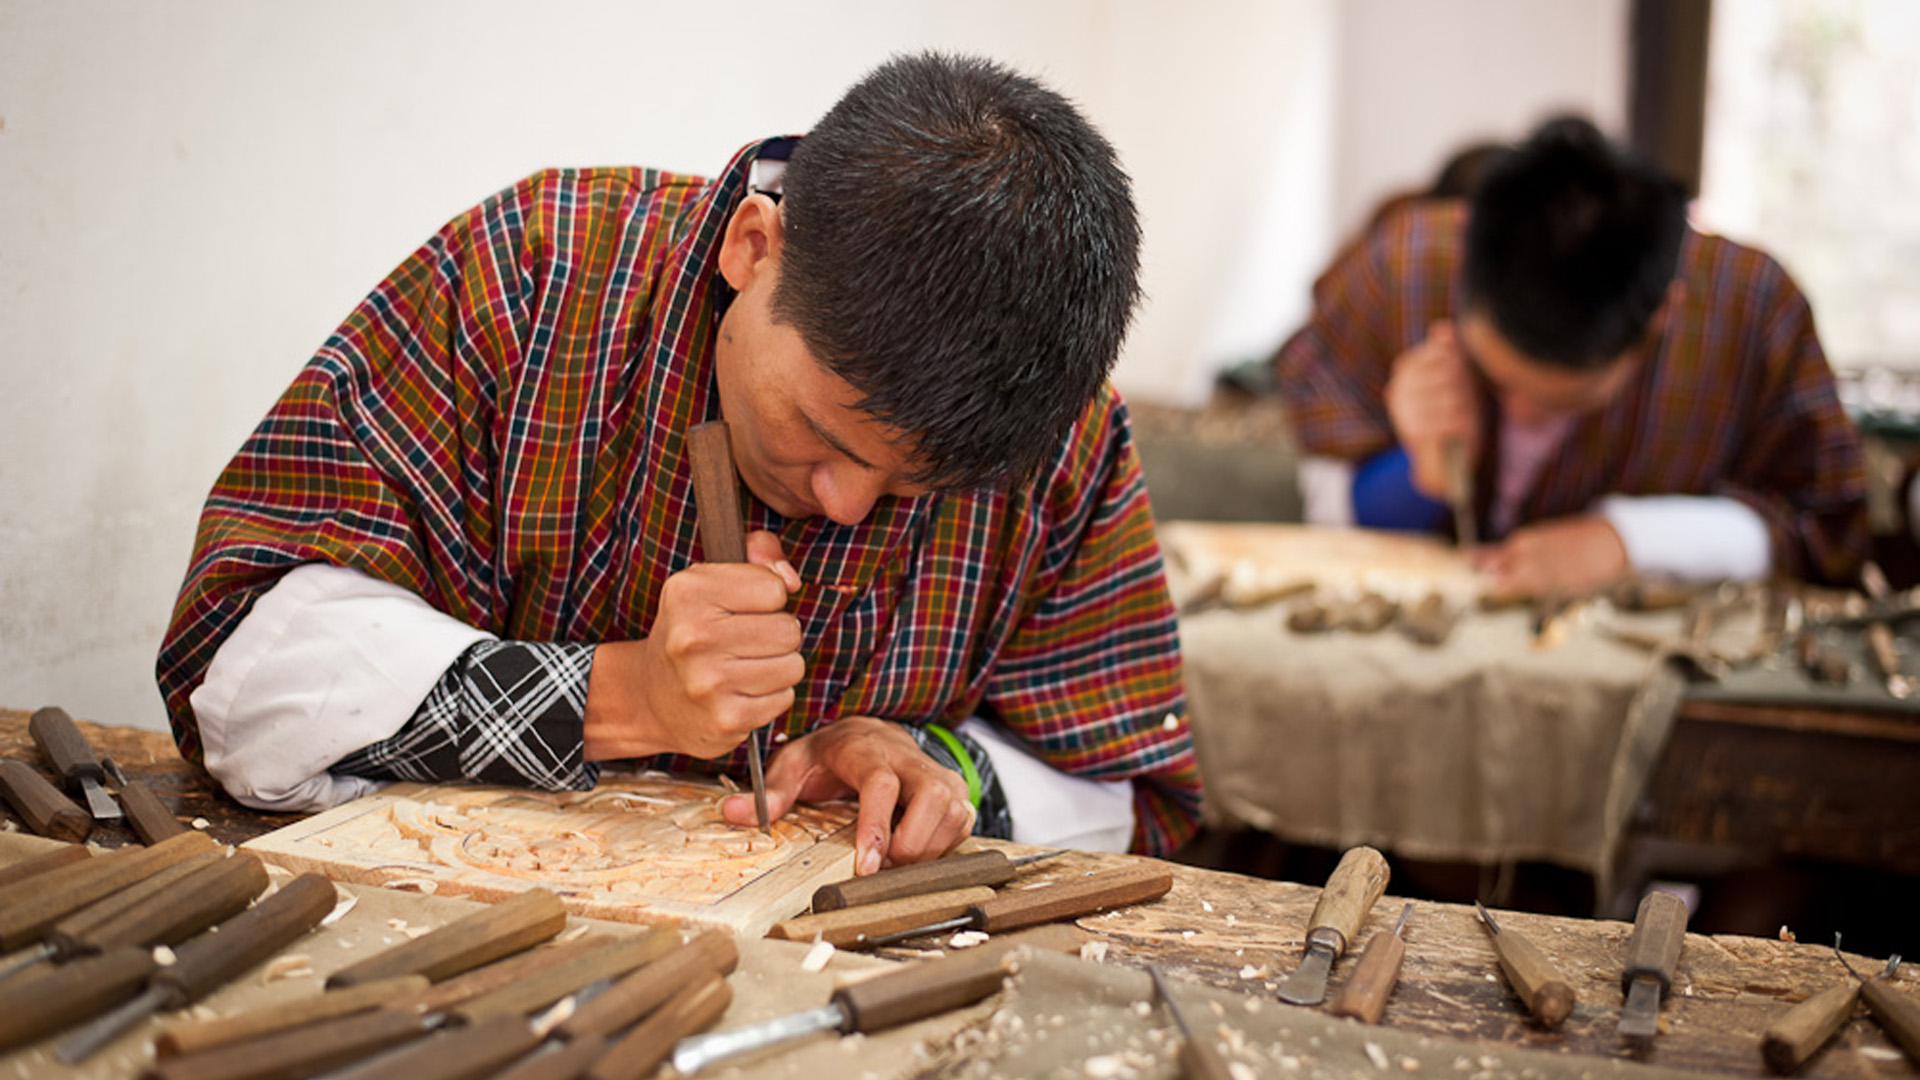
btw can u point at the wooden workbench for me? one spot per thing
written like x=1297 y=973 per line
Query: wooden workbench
x=1245 y=934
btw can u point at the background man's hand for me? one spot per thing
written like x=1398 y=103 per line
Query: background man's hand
x=912 y=808
x=1575 y=556
x=723 y=658
x=1431 y=399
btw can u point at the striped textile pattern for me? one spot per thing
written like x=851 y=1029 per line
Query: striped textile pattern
x=499 y=428
x=1736 y=400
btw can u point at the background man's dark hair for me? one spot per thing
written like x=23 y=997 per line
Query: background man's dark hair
x=961 y=248
x=1572 y=244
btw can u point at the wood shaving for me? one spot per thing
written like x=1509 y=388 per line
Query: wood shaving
x=555 y=1016
x=1879 y=1053
x=344 y=904
x=291 y=966
x=164 y=956
x=424 y=886
x=1103 y=1067
x=1377 y=1056
x=1240 y=1070
x=1409 y=1064
x=966 y=939
x=1094 y=951
x=397 y=923
x=572 y=934
x=201 y=823
x=1204 y=906
x=1251 y=972
x=818 y=956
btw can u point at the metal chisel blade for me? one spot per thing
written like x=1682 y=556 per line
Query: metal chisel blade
x=1639 y=1019
x=99 y=803
x=757 y=772
x=1308 y=984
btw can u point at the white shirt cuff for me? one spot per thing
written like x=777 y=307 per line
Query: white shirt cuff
x=1691 y=537
x=1326 y=490
x=1050 y=808
x=328 y=661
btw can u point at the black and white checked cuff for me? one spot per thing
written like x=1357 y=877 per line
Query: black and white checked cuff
x=507 y=712
x=994 y=819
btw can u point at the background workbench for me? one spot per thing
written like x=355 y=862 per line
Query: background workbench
x=1245 y=934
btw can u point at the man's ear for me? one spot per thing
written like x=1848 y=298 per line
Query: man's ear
x=751 y=243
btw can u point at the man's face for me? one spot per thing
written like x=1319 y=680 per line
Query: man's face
x=800 y=443
x=1533 y=392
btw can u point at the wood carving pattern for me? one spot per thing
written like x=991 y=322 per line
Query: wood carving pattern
x=642 y=849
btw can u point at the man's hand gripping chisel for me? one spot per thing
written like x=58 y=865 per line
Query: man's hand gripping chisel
x=716 y=498
x=1355 y=884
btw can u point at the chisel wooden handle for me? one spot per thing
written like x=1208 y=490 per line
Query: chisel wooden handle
x=1365 y=994
x=1073 y=897
x=40 y=804
x=1806 y=1027
x=1539 y=985
x=462 y=1053
x=609 y=960
x=65 y=748
x=297 y=1053
x=919 y=990
x=855 y=925
x=198 y=1036
x=207 y=895
x=691 y=1011
x=28 y=909
x=35 y=1008
x=150 y=818
x=500 y=930
x=213 y=959
x=1358 y=881
x=633 y=997
x=1898 y=1013
x=52 y=859
x=917 y=879
x=557 y=1061
x=716 y=487
x=1659 y=933
x=81 y=931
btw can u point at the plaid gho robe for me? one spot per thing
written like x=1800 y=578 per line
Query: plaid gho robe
x=498 y=428
x=1736 y=400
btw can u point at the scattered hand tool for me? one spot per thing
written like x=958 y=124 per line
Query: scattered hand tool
x=723 y=536
x=207 y=962
x=991 y=867
x=1896 y=1012
x=1352 y=888
x=1365 y=994
x=1659 y=933
x=1013 y=909
x=1805 y=1028
x=912 y=992
x=1880 y=643
x=1460 y=494
x=495 y=931
x=196 y=1036
x=28 y=909
x=53 y=859
x=1430 y=622
x=1541 y=988
x=697 y=1007
x=65 y=749
x=152 y=822
x=47 y=812
x=1199 y=1058
x=858 y=927
x=640 y=993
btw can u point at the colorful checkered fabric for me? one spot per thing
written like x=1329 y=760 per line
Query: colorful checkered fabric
x=499 y=428
x=1736 y=400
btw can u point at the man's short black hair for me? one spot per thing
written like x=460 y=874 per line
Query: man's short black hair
x=961 y=247
x=1571 y=245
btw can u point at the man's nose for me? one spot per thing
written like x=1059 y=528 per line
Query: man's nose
x=846 y=492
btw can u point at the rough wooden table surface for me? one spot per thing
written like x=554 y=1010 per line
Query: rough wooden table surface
x=1245 y=934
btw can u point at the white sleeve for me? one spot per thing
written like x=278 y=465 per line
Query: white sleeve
x=1326 y=490
x=329 y=661
x=1691 y=537
x=1050 y=808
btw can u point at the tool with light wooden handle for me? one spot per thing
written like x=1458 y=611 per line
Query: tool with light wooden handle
x=1540 y=986
x=499 y=930
x=47 y=812
x=52 y=859
x=1653 y=954
x=1805 y=1028
x=1358 y=881
x=991 y=868
x=28 y=909
x=1364 y=997
x=652 y=1041
x=633 y=997
x=1013 y=909
x=855 y=927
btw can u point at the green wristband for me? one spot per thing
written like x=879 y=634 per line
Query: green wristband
x=960 y=755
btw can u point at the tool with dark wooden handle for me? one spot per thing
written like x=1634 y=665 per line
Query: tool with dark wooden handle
x=1364 y=997
x=607 y=960
x=489 y=934
x=1460 y=493
x=1014 y=909
x=991 y=868
x=152 y=822
x=1358 y=881
x=723 y=538
x=641 y=1050
x=857 y=927
x=296 y=1053
x=98 y=926
x=461 y=1053
x=32 y=1009
x=1199 y=1058
x=633 y=997
x=198 y=1036
x=1898 y=1013
x=67 y=751
x=557 y=1060
x=208 y=893
x=28 y=909
x=1535 y=980
x=1805 y=1028
x=1653 y=954
x=52 y=859
x=47 y=812
x=214 y=958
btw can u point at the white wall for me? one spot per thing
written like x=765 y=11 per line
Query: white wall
x=192 y=193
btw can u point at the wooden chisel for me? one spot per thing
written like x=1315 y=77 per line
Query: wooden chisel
x=1805 y=1028
x=1199 y=1058
x=723 y=537
x=458 y=1054
x=991 y=867
x=1898 y=1013
x=96 y=927
x=1460 y=494
x=1653 y=953
x=211 y=960
x=912 y=992
x=47 y=812
x=499 y=930
x=199 y=1036
x=152 y=822
x=1351 y=890
x=65 y=749
x=1014 y=909
x=691 y=1011
x=607 y=960
x=854 y=927
x=1364 y=997
x=299 y=1052
x=52 y=859
x=1540 y=986
x=28 y=909
x=645 y=990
